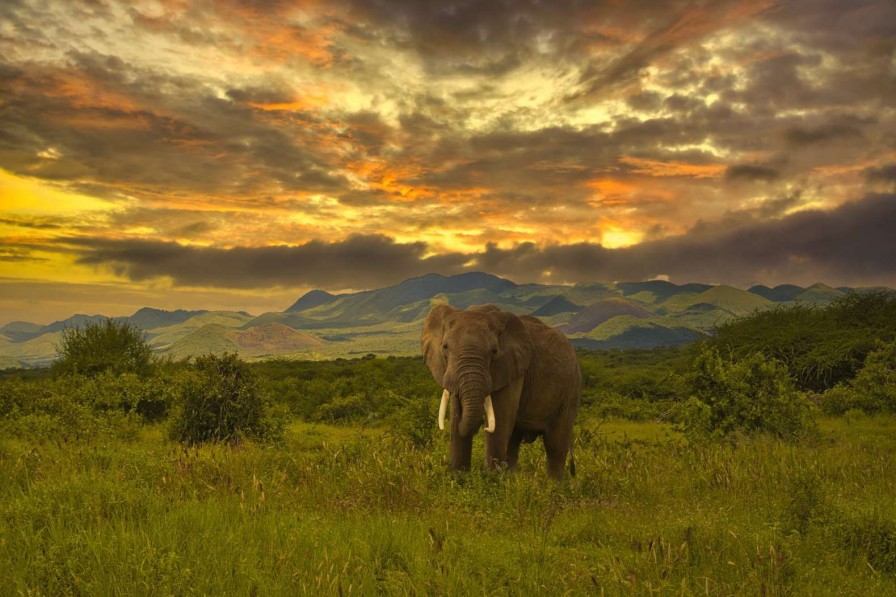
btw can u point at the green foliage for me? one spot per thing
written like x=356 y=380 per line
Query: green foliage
x=415 y=422
x=219 y=399
x=820 y=346
x=72 y=406
x=634 y=384
x=113 y=346
x=345 y=391
x=747 y=396
x=872 y=390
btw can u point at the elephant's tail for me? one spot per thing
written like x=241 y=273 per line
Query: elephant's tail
x=572 y=464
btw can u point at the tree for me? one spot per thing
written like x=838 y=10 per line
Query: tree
x=114 y=346
x=220 y=399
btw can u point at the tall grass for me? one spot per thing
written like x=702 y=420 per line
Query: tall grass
x=353 y=511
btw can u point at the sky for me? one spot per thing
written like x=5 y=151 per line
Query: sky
x=233 y=154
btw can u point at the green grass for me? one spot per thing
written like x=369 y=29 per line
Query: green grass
x=353 y=511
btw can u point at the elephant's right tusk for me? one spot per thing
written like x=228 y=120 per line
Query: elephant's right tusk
x=443 y=408
x=489 y=415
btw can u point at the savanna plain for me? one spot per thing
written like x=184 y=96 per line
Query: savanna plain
x=759 y=461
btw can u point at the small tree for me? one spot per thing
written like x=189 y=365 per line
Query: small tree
x=114 y=346
x=751 y=395
x=219 y=400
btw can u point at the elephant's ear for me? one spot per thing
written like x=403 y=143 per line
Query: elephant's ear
x=433 y=329
x=515 y=349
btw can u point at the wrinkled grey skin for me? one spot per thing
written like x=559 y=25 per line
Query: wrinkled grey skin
x=529 y=369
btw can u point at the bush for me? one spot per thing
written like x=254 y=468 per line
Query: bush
x=873 y=390
x=219 y=399
x=749 y=396
x=342 y=409
x=114 y=346
x=821 y=347
x=62 y=408
x=416 y=421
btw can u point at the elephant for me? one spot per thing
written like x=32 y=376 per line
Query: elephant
x=522 y=373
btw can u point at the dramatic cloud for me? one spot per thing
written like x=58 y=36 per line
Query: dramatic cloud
x=851 y=243
x=441 y=134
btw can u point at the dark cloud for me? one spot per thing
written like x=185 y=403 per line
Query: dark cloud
x=886 y=173
x=848 y=245
x=751 y=172
x=836 y=131
x=357 y=262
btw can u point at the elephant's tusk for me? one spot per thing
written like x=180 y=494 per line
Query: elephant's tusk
x=490 y=414
x=443 y=408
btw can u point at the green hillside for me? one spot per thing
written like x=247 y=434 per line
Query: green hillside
x=820 y=294
x=594 y=315
x=733 y=300
x=164 y=337
x=211 y=338
x=626 y=332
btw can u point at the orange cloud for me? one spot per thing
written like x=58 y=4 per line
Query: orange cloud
x=673 y=168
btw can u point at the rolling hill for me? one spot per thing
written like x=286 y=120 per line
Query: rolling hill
x=594 y=315
x=387 y=321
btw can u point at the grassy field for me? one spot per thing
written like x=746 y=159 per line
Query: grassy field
x=339 y=510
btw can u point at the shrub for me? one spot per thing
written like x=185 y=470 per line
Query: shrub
x=57 y=409
x=872 y=390
x=751 y=395
x=114 y=346
x=416 y=421
x=821 y=347
x=219 y=399
x=344 y=409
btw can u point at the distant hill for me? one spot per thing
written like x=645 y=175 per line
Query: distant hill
x=387 y=321
x=733 y=301
x=778 y=294
x=75 y=321
x=592 y=316
x=557 y=305
x=660 y=290
x=819 y=293
x=312 y=299
x=625 y=332
x=266 y=340
x=149 y=318
x=19 y=331
x=275 y=338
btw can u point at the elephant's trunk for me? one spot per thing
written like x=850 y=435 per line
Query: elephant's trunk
x=489 y=411
x=469 y=384
x=471 y=415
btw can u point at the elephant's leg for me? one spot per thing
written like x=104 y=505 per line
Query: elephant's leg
x=513 y=449
x=506 y=403
x=496 y=445
x=556 y=445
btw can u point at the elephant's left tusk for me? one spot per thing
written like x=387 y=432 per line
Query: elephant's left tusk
x=489 y=414
x=443 y=408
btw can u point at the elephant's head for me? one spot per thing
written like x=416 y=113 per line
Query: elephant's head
x=472 y=354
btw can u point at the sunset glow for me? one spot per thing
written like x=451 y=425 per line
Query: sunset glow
x=540 y=141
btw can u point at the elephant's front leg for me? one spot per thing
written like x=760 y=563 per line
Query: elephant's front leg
x=505 y=401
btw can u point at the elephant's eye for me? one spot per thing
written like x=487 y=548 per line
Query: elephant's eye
x=495 y=351
x=445 y=346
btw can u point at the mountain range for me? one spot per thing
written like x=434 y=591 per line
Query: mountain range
x=387 y=321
